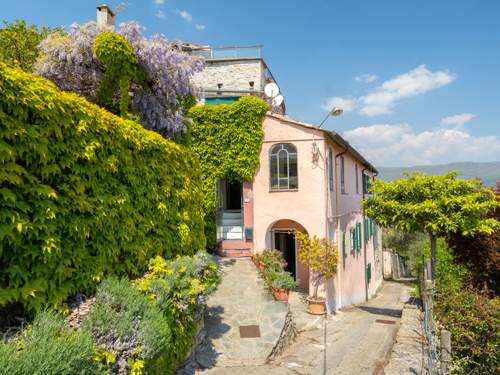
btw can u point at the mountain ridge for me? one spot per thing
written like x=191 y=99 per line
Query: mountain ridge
x=487 y=172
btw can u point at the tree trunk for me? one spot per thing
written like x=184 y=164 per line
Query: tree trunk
x=433 y=255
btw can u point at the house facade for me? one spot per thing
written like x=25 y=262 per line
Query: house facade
x=309 y=179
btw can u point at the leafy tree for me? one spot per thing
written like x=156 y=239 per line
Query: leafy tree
x=480 y=253
x=320 y=255
x=155 y=73
x=436 y=205
x=19 y=44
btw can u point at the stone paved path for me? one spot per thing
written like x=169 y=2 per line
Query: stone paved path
x=349 y=343
x=241 y=300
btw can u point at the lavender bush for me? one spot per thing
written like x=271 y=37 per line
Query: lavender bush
x=68 y=61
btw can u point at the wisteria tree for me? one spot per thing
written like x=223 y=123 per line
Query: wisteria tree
x=157 y=99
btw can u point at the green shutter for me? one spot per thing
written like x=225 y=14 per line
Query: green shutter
x=369 y=272
x=359 y=240
x=344 y=254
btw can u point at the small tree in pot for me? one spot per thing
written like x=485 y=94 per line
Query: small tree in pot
x=321 y=256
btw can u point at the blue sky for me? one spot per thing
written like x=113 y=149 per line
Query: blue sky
x=419 y=80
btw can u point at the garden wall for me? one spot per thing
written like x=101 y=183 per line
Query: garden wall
x=85 y=194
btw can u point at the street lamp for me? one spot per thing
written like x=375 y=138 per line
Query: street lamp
x=335 y=111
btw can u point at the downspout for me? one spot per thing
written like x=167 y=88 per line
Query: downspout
x=337 y=215
x=364 y=234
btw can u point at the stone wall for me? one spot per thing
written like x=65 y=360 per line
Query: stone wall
x=233 y=74
x=288 y=335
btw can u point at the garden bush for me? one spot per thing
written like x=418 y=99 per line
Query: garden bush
x=85 y=194
x=49 y=347
x=468 y=313
x=149 y=325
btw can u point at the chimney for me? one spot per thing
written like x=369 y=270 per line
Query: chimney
x=105 y=16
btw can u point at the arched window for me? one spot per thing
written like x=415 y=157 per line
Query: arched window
x=283 y=165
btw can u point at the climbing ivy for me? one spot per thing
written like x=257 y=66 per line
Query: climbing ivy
x=121 y=68
x=227 y=139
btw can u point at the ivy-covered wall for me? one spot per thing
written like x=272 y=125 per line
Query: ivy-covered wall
x=227 y=139
x=85 y=194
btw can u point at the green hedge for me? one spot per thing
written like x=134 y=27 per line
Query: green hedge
x=227 y=139
x=85 y=194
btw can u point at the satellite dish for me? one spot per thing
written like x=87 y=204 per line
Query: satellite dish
x=271 y=90
x=277 y=100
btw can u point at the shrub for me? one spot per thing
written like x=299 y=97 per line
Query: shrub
x=180 y=288
x=471 y=317
x=283 y=280
x=123 y=322
x=49 y=347
x=85 y=194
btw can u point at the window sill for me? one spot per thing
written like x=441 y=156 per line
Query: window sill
x=283 y=190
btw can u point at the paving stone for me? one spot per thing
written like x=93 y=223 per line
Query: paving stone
x=241 y=299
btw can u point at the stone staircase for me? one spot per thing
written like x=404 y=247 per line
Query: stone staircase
x=242 y=300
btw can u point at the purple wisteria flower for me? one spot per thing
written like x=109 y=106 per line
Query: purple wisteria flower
x=68 y=61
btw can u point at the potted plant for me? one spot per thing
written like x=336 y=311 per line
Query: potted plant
x=320 y=255
x=281 y=284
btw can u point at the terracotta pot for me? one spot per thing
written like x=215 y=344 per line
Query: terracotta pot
x=316 y=306
x=280 y=294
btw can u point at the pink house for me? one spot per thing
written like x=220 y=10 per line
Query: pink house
x=312 y=180
x=309 y=179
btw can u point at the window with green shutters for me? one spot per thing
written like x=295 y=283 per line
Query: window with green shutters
x=353 y=239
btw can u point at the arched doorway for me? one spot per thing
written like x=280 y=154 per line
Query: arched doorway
x=282 y=233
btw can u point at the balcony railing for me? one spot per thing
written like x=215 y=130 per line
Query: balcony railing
x=231 y=52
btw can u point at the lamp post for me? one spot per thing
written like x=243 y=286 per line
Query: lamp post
x=334 y=112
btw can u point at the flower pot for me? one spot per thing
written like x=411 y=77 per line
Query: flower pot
x=280 y=294
x=316 y=306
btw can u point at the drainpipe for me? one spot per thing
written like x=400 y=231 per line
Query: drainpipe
x=364 y=234
x=337 y=211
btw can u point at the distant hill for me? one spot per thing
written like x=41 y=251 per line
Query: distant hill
x=489 y=173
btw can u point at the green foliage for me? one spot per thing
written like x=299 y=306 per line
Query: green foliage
x=283 y=280
x=320 y=255
x=122 y=321
x=273 y=272
x=480 y=253
x=85 y=194
x=121 y=69
x=407 y=245
x=48 y=347
x=149 y=325
x=437 y=205
x=19 y=44
x=227 y=139
x=469 y=314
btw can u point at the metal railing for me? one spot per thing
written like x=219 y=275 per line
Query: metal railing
x=229 y=52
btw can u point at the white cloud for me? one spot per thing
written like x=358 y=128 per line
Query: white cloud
x=184 y=15
x=160 y=14
x=200 y=27
x=366 y=78
x=347 y=105
x=415 y=82
x=457 y=120
x=399 y=144
x=159 y=2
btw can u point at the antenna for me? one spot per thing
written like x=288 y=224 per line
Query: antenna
x=271 y=90
x=277 y=100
